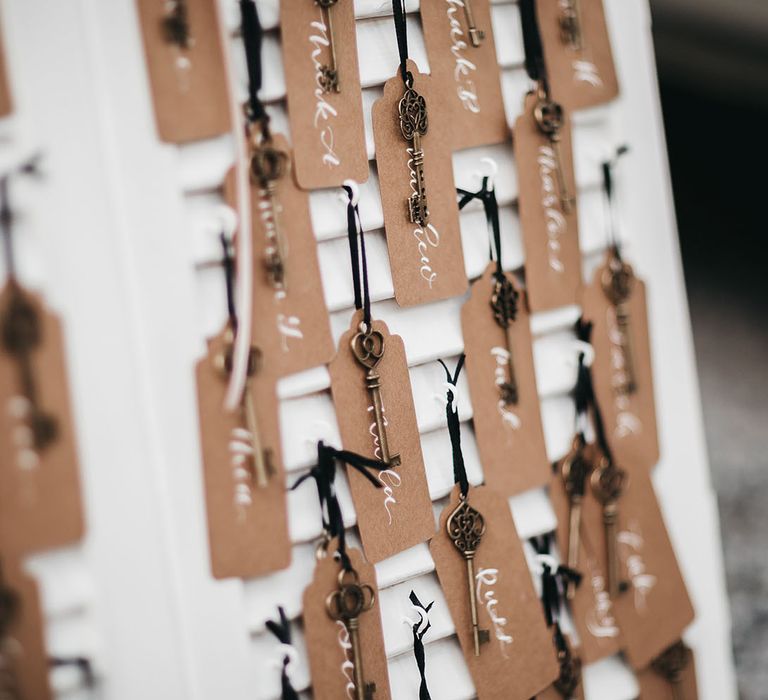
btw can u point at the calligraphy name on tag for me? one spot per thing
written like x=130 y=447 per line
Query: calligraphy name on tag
x=656 y=685
x=581 y=72
x=40 y=503
x=247 y=523
x=398 y=515
x=6 y=100
x=427 y=260
x=550 y=234
x=468 y=74
x=188 y=81
x=623 y=376
x=519 y=659
x=326 y=125
x=509 y=435
x=291 y=325
x=328 y=641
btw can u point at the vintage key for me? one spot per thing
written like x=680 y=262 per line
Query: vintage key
x=549 y=118
x=345 y=605
x=570 y=672
x=570 y=24
x=617 y=282
x=368 y=349
x=21 y=337
x=466 y=527
x=175 y=23
x=608 y=482
x=329 y=74
x=413 y=125
x=574 y=470
x=476 y=35
x=268 y=166
x=670 y=665
x=504 y=305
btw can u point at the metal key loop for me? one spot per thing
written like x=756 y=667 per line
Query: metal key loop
x=175 y=23
x=329 y=73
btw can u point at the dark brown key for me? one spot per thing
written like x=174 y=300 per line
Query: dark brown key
x=575 y=469
x=608 y=483
x=549 y=117
x=414 y=123
x=570 y=24
x=617 y=281
x=329 y=72
x=504 y=305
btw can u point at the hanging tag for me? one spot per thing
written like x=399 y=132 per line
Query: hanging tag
x=550 y=233
x=577 y=49
x=426 y=259
x=290 y=319
x=23 y=657
x=6 y=100
x=467 y=73
x=399 y=515
x=671 y=676
x=623 y=377
x=518 y=659
x=508 y=428
x=322 y=80
x=184 y=57
x=40 y=505
x=247 y=522
x=329 y=643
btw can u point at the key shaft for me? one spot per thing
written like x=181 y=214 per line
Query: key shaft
x=608 y=483
x=329 y=73
x=259 y=456
x=373 y=384
x=476 y=35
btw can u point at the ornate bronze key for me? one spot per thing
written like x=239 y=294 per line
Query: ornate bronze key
x=617 y=281
x=670 y=665
x=368 y=349
x=549 y=117
x=466 y=527
x=413 y=125
x=504 y=305
x=268 y=166
x=574 y=470
x=329 y=74
x=570 y=24
x=608 y=483
x=476 y=35
x=345 y=605
x=570 y=672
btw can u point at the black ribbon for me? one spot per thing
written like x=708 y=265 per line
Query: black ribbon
x=252 y=39
x=534 y=50
x=607 y=167
x=282 y=630
x=82 y=663
x=491 y=206
x=418 y=644
x=401 y=30
x=28 y=167
x=228 y=263
x=553 y=583
x=358 y=259
x=454 y=428
x=324 y=475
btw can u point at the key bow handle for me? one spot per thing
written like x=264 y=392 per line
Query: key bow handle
x=368 y=347
x=413 y=114
x=268 y=164
x=617 y=281
x=466 y=527
x=351 y=598
x=609 y=482
x=549 y=116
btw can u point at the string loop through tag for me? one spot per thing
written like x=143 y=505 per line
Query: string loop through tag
x=281 y=629
x=608 y=190
x=535 y=65
x=401 y=31
x=454 y=428
x=554 y=579
x=357 y=255
x=419 y=630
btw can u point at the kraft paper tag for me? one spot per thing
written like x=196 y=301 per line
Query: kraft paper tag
x=247 y=524
x=579 y=77
x=427 y=261
x=629 y=416
x=467 y=74
x=326 y=126
x=189 y=85
x=509 y=436
x=23 y=657
x=291 y=325
x=398 y=515
x=519 y=659
x=40 y=503
x=550 y=235
x=6 y=100
x=655 y=686
x=329 y=646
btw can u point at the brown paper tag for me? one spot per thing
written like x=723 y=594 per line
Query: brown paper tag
x=6 y=100
x=654 y=686
x=630 y=418
x=469 y=75
x=655 y=609
x=290 y=324
x=509 y=436
x=40 y=505
x=427 y=261
x=189 y=85
x=519 y=659
x=326 y=127
x=579 y=77
x=247 y=524
x=399 y=515
x=550 y=236
x=23 y=657
x=329 y=646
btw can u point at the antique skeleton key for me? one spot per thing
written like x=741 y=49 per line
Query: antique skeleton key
x=504 y=305
x=329 y=74
x=574 y=470
x=617 y=281
x=413 y=125
x=175 y=23
x=670 y=665
x=345 y=605
x=570 y=24
x=549 y=118
x=368 y=349
x=608 y=482
x=268 y=166
x=466 y=527
x=476 y=35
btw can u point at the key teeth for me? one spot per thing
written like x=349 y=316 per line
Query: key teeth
x=369 y=690
x=483 y=636
x=394 y=461
x=477 y=36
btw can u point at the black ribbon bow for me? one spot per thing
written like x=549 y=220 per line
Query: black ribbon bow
x=282 y=631
x=358 y=258
x=454 y=428
x=553 y=583
x=418 y=643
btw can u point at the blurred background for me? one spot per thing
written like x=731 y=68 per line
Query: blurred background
x=712 y=59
